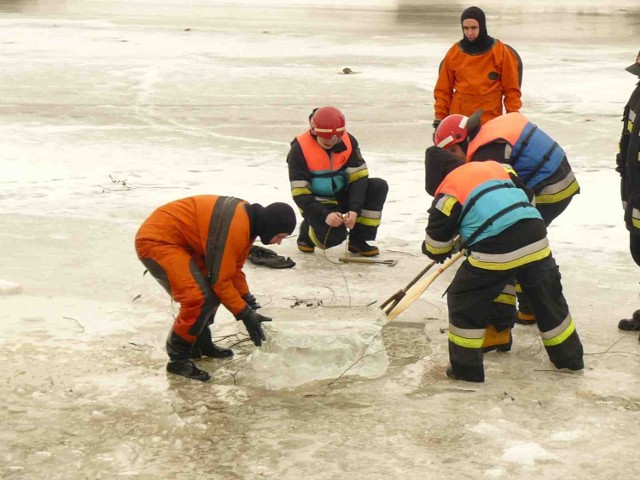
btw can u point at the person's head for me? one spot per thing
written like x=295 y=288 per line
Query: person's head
x=275 y=222
x=474 y=24
x=328 y=125
x=437 y=165
x=454 y=131
x=635 y=68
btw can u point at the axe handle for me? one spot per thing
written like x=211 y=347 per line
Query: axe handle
x=418 y=289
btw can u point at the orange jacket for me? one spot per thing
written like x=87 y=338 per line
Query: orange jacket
x=212 y=227
x=469 y=82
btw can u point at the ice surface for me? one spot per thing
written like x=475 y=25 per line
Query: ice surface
x=111 y=108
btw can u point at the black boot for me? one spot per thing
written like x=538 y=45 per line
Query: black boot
x=632 y=324
x=204 y=346
x=475 y=375
x=363 y=248
x=187 y=369
x=574 y=363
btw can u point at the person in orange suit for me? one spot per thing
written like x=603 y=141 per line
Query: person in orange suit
x=478 y=72
x=195 y=248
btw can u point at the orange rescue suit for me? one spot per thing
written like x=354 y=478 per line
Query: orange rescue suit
x=468 y=82
x=210 y=231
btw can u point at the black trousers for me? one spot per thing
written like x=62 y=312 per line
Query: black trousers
x=365 y=229
x=469 y=299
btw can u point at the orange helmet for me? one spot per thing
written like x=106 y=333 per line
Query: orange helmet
x=451 y=131
x=328 y=122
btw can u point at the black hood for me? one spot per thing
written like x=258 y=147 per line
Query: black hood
x=267 y=222
x=438 y=163
x=484 y=42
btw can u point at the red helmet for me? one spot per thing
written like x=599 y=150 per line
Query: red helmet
x=328 y=122
x=451 y=131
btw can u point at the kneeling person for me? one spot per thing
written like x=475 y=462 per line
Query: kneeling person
x=330 y=184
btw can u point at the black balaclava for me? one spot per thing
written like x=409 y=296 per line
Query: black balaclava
x=438 y=163
x=267 y=222
x=484 y=42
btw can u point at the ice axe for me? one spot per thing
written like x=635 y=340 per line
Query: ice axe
x=369 y=261
x=391 y=302
x=418 y=289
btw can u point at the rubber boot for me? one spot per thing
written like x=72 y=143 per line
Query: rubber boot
x=632 y=324
x=500 y=341
x=187 y=369
x=204 y=346
x=363 y=248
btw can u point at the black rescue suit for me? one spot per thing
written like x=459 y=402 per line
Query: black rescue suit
x=504 y=236
x=628 y=165
x=335 y=180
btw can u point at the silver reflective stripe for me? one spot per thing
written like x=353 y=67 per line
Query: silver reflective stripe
x=507 y=151
x=440 y=203
x=559 y=186
x=635 y=213
x=632 y=116
x=558 y=330
x=300 y=184
x=510 y=256
x=467 y=332
x=509 y=289
x=436 y=244
x=352 y=170
x=370 y=214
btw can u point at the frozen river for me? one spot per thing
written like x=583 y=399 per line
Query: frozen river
x=110 y=108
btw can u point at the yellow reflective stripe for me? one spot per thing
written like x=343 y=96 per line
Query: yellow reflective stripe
x=506 y=299
x=370 y=222
x=635 y=222
x=556 y=197
x=448 y=205
x=558 y=339
x=438 y=250
x=508 y=168
x=314 y=238
x=465 y=342
x=518 y=288
x=359 y=174
x=518 y=262
x=296 y=192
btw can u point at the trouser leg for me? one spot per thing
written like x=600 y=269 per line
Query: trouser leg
x=323 y=236
x=501 y=317
x=541 y=283
x=469 y=300
x=366 y=227
x=174 y=267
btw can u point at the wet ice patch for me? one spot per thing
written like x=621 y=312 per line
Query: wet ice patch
x=9 y=288
x=318 y=344
x=527 y=454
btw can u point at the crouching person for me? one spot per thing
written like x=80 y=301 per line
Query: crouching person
x=504 y=237
x=195 y=248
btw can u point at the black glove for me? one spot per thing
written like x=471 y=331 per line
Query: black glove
x=436 y=257
x=251 y=300
x=252 y=321
x=435 y=127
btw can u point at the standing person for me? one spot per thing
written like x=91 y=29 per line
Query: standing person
x=195 y=248
x=504 y=237
x=628 y=166
x=477 y=72
x=331 y=186
x=536 y=158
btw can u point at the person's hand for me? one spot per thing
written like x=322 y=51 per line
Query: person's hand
x=334 y=219
x=436 y=257
x=350 y=220
x=252 y=322
x=251 y=300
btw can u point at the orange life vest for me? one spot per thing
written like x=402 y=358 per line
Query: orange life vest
x=326 y=167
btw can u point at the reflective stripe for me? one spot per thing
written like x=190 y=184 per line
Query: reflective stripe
x=509 y=168
x=559 y=191
x=370 y=222
x=296 y=192
x=445 y=204
x=329 y=130
x=299 y=184
x=437 y=247
x=507 y=296
x=326 y=201
x=559 y=334
x=507 y=261
x=635 y=217
x=466 y=337
x=357 y=175
x=371 y=213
